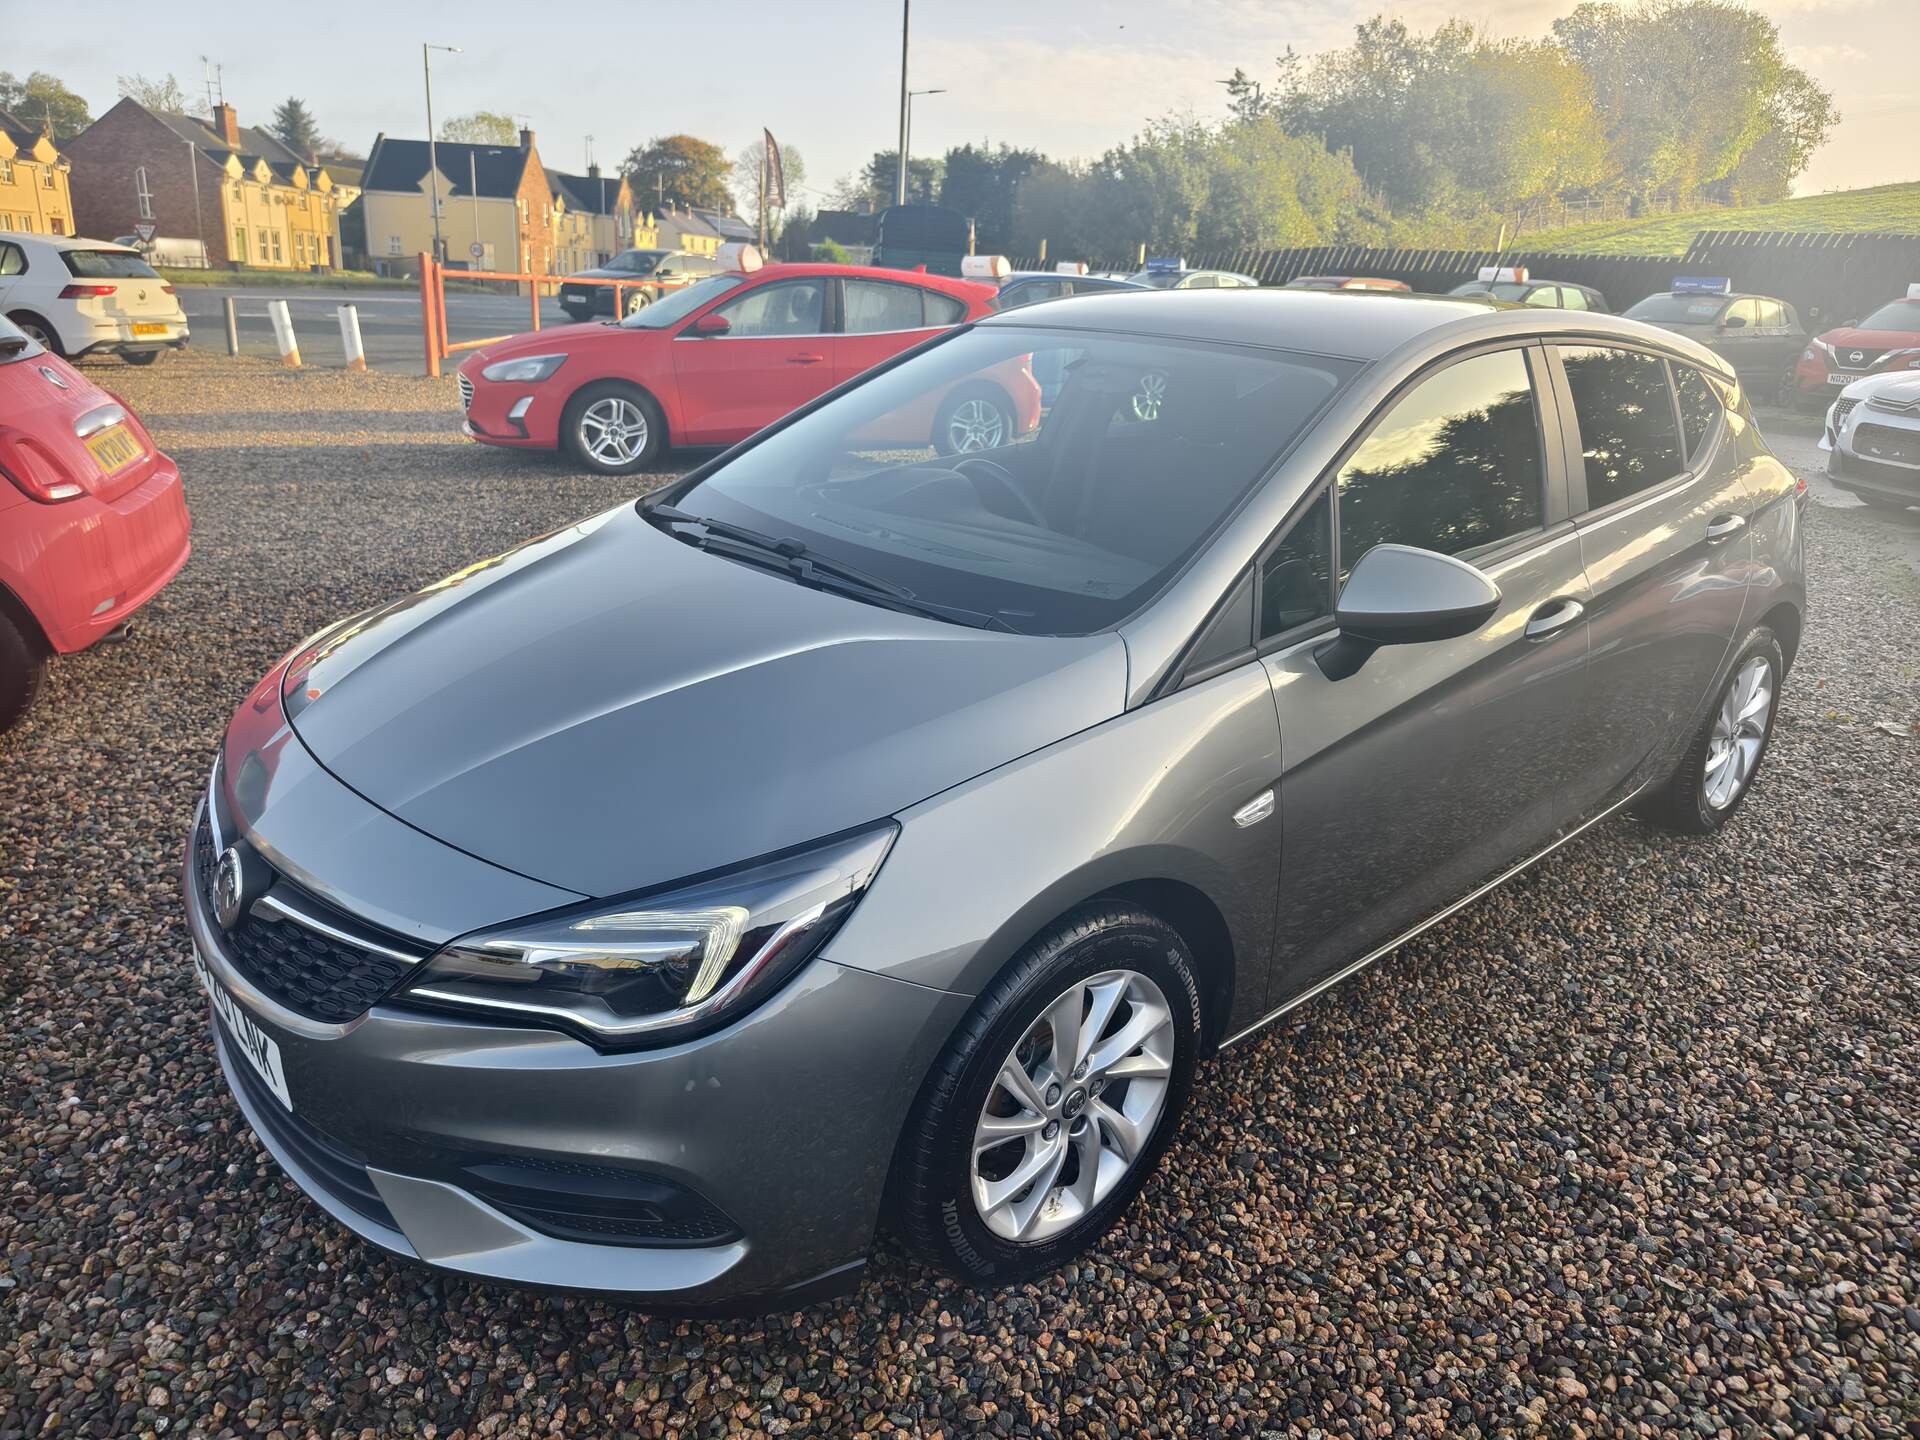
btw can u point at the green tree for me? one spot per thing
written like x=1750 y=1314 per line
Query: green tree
x=42 y=100
x=746 y=182
x=481 y=127
x=832 y=252
x=981 y=181
x=793 y=242
x=924 y=175
x=679 y=170
x=1693 y=92
x=1267 y=189
x=162 y=94
x=293 y=124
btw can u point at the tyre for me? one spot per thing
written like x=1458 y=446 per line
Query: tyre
x=973 y=418
x=633 y=302
x=140 y=357
x=1054 y=1100
x=613 y=428
x=23 y=662
x=1719 y=767
x=38 y=331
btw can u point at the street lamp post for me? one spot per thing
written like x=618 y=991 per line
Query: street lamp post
x=433 y=155
x=906 y=137
x=900 y=168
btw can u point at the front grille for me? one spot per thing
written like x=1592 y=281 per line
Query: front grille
x=1853 y=357
x=1841 y=408
x=1883 y=443
x=315 y=975
x=331 y=1165
x=1893 y=406
x=466 y=391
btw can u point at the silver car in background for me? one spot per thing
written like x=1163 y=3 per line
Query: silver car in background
x=848 y=834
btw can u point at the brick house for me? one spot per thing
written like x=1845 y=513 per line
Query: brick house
x=35 y=193
x=602 y=209
x=494 y=196
x=250 y=199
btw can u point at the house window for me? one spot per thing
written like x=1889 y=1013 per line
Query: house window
x=393 y=244
x=263 y=244
x=6 y=172
x=46 y=177
x=278 y=257
x=143 y=192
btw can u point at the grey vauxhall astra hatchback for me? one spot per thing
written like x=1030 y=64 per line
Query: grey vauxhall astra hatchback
x=848 y=834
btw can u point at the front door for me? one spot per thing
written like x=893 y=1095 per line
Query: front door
x=776 y=356
x=1664 y=529
x=1435 y=766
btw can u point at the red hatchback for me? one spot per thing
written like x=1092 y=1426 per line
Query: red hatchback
x=1888 y=339
x=713 y=363
x=92 y=521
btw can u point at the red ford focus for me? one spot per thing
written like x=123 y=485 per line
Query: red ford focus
x=92 y=521
x=713 y=363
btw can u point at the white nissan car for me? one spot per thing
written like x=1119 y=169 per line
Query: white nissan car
x=88 y=297
x=1873 y=439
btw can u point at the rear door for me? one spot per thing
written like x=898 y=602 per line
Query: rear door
x=1739 y=338
x=880 y=318
x=1435 y=766
x=777 y=356
x=1663 y=517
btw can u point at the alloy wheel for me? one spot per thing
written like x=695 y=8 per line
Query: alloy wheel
x=613 y=430
x=976 y=425
x=1073 y=1106
x=1739 y=732
x=1152 y=393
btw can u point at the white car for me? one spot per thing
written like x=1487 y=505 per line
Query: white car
x=1872 y=439
x=88 y=297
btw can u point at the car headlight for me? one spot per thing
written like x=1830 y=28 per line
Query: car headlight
x=527 y=368
x=661 y=969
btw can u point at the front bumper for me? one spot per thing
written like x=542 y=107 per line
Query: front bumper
x=785 y=1124
x=525 y=414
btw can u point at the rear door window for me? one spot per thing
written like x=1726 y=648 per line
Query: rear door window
x=1455 y=465
x=942 y=309
x=1700 y=409
x=875 y=307
x=1628 y=435
x=12 y=261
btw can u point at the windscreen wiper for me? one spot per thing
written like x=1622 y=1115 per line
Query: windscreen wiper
x=792 y=557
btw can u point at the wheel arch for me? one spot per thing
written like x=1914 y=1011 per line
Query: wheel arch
x=659 y=405
x=1787 y=624
x=23 y=618
x=24 y=313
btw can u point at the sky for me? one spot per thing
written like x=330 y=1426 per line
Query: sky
x=1070 y=78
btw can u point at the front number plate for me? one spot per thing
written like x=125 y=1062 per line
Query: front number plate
x=113 y=448
x=1841 y=379
x=256 y=1047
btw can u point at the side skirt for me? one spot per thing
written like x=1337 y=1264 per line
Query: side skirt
x=1434 y=919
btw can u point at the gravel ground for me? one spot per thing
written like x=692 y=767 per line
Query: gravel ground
x=1628 y=1148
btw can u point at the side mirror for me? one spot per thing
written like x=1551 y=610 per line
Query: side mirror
x=712 y=325
x=1734 y=322
x=1398 y=595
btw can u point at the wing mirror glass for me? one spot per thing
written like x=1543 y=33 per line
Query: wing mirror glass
x=1398 y=595
x=712 y=325
x=1734 y=322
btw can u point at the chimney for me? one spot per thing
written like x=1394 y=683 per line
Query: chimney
x=593 y=170
x=227 y=124
x=526 y=139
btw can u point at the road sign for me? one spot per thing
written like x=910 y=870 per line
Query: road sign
x=146 y=231
x=477 y=250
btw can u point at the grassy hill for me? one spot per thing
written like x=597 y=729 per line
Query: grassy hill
x=1884 y=207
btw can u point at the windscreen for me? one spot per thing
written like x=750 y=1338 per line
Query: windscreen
x=107 y=265
x=1678 y=309
x=1053 y=481
x=676 y=305
x=1899 y=315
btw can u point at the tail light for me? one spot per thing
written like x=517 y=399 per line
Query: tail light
x=86 y=292
x=166 y=290
x=35 y=474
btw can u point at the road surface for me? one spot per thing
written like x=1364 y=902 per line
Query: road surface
x=389 y=322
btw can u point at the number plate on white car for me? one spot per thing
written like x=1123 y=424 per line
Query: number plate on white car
x=256 y=1047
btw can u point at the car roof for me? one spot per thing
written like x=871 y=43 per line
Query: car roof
x=1716 y=295
x=804 y=269
x=1362 y=325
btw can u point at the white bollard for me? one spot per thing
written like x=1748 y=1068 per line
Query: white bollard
x=350 y=337
x=283 y=332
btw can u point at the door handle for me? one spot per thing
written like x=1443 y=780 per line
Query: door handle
x=1725 y=527
x=805 y=359
x=1553 y=616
